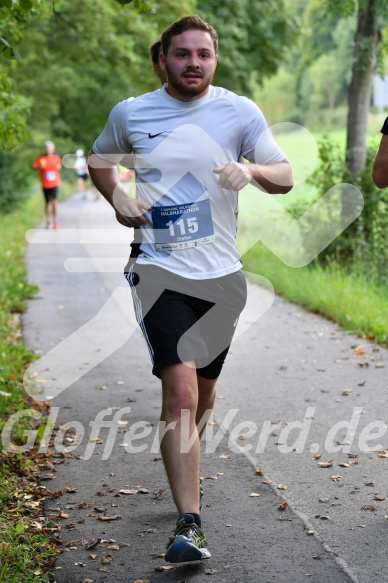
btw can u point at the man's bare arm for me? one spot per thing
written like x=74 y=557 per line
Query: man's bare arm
x=105 y=177
x=274 y=178
x=380 y=166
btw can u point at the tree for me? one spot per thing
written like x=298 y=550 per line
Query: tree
x=253 y=38
x=371 y=15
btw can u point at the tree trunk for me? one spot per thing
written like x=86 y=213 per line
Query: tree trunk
x=366 y=43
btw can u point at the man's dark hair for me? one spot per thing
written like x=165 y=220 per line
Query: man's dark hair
x=193 y=22
x=155 y=49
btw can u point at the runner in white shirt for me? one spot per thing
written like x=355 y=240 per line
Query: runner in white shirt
x=189 y=139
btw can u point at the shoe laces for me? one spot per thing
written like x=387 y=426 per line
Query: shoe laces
x=187 y=527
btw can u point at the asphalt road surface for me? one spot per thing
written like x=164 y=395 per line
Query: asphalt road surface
x=300 y=400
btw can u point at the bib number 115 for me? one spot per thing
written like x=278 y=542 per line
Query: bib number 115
x=182 y=226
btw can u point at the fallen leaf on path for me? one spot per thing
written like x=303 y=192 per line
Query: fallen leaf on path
x=324 y=500
x=143 y=491
x=379 y=498
x=336 y=478
x=101 y=387
x=109 y=518
x=260 y=472
x=210 y=571
x=114 y=547
x=164 y=568
x=254 y=495
x=133 y=491
x=224 y=456
x=148 y=531
x=106 y=492
x=383 y=454
x=282 y=487
x=371 y=507
x=156 y=459
x=327 y=464
x=317 y=457
x=158 y=493
x=209 y=478
x=283 y=506
x=358 y=350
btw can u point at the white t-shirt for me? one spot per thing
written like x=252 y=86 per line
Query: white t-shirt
x=191 y=229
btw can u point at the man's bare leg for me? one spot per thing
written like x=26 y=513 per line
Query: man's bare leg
x=180 y=391
x=206 y=399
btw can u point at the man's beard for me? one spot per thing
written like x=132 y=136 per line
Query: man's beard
x=187 y=91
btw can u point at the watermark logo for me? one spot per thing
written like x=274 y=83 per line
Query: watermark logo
x=238 y=437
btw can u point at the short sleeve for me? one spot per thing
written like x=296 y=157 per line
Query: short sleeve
x=112 y=144
x=258 y=143
x=384 y=129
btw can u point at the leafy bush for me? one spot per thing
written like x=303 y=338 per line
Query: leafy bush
x=14 y=181
x=363 y=246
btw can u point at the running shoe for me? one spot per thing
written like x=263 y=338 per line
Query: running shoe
x=188 y=543
x=55 y=225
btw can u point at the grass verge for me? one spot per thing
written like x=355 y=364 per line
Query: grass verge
x=27 y=551
x=351 y=300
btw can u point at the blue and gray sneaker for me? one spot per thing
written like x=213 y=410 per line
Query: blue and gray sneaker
x=188 y=543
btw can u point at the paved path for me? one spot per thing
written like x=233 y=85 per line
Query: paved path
x=289 y=379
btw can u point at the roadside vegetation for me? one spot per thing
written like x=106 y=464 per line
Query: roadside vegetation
x=27 y=551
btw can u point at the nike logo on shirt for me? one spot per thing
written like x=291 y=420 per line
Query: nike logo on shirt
x=154 y=135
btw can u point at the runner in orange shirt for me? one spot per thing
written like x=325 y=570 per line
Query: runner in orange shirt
x=49 y=165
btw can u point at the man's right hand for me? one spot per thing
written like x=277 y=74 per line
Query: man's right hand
x=130 y=212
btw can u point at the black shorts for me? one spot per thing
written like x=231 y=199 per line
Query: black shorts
x=50 y=193
x=185 y=319
x=83 y=176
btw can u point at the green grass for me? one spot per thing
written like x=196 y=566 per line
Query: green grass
x=348 y=299
x=24 y=550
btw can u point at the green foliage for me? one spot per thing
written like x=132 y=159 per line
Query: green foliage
x=253 y=39
x=14 y=178
x=363 y=246
x=14 y=111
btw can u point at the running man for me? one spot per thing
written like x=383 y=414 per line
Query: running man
x=49 y=165
x=189 y=140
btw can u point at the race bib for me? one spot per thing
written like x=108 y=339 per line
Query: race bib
x=183 y=225
x=50 y=176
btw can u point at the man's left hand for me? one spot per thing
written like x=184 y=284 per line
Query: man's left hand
x=233 y=175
